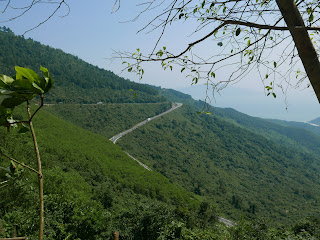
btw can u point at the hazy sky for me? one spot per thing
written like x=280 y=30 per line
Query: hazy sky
x=91 y=32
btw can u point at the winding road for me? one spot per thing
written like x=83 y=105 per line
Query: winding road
x=175 y=106
x=116 y=137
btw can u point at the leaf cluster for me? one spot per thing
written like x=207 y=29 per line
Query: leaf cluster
x=22 y=87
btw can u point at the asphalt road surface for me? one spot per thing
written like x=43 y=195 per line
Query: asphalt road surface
x=116 y=137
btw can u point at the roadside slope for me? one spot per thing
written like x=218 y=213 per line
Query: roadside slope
x=244 y=172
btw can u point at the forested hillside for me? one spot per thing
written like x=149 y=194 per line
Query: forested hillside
x=240 y=170
x=75 y=80
x=304 y=125
x=260 y=173
x=109 y=119
x=91 y=188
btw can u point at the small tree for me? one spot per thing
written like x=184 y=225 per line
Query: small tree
x=14 y=91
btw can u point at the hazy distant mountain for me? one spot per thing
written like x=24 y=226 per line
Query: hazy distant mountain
x=255 y=103
x=316 y=121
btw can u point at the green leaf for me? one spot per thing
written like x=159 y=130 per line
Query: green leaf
x=311 y=17
x=5 y=80
x=275 y=64
x=195 y=80
x=159 y=53
x=309 y=10
x=213 y=75
x=238 y=32
x=183 y=69
x=12 y=102
x=203 y=3
x=12 y=167
x=23 y=128
x=134 y=92
x=46 y=83
x=220 y=44
x=27 y=73
x=129 y=69
x=37 y=89
x=274 y=95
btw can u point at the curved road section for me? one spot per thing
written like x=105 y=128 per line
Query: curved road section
x=116 y=137
x=227 y=222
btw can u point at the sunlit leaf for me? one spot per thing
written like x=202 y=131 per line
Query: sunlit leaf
x=28 y=74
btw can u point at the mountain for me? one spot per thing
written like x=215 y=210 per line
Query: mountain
x=91 y=187
x=315 y=121
x=75 y=80
x=294 y=105
x=204 y=165
x=242 y=171
x=312 y=127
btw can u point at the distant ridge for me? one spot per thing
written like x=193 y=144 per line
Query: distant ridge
x=316 y=121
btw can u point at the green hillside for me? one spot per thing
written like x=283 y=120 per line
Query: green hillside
x=89 y=182
x=303 y=125
x=241 y=170
x=107 y=119
x=75 y=80
x=260 y=173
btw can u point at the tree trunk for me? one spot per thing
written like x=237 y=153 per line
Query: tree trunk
x=306 y=50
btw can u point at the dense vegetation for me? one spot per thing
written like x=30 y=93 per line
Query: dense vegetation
x=109 y=119
x=76 y=80
x=303 y=125
x=264 y=171
x=91 y=187
x=238 y=169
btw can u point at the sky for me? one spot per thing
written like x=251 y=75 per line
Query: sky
x=92 y=32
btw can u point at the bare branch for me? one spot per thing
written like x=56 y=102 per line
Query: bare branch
x=48 y=18
x=260 y=26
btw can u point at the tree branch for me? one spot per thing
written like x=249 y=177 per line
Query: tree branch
x=41 y=105
x=262 y=26
x=20 y=163
x=4 y=186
